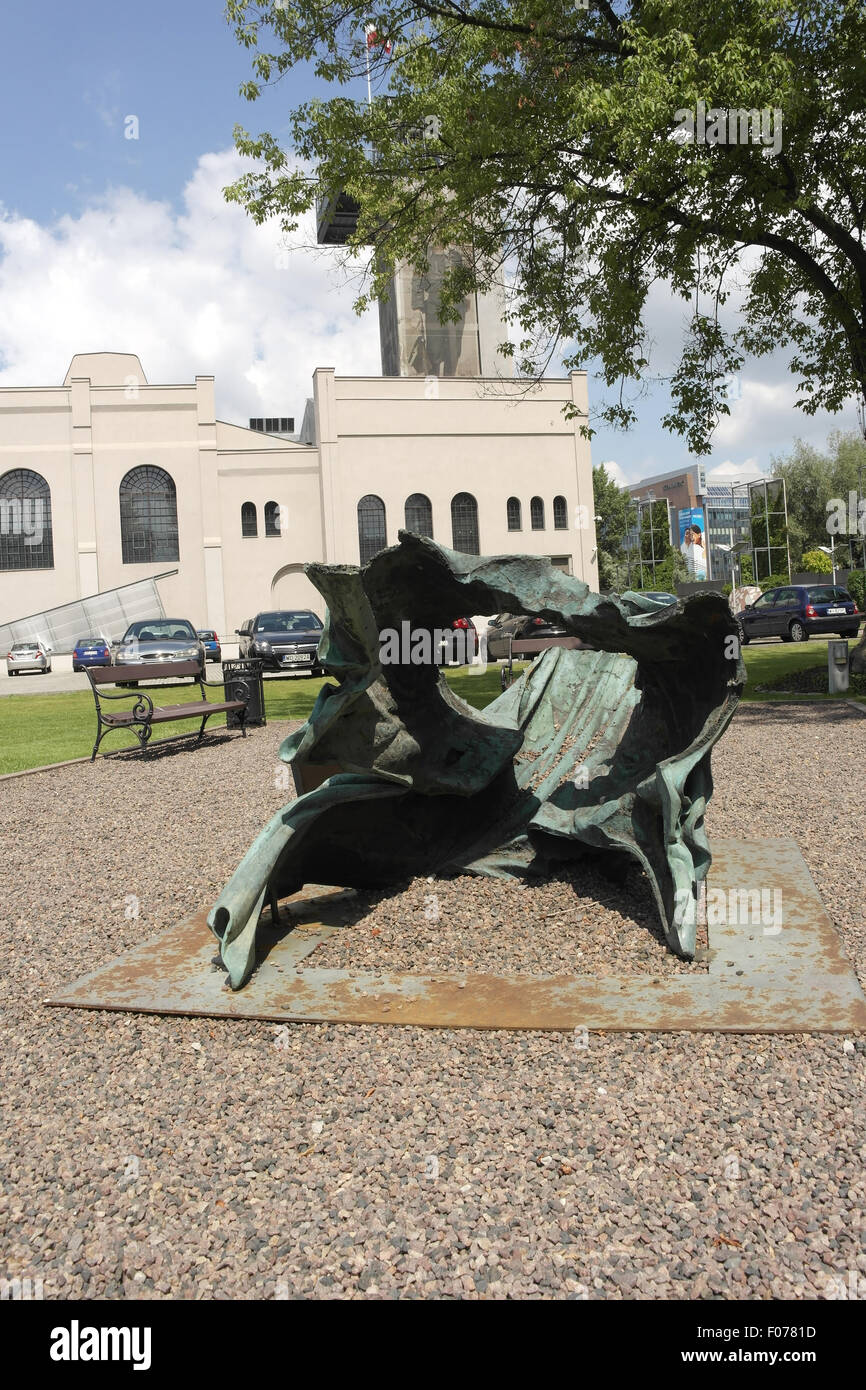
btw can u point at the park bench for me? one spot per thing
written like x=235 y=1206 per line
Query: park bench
x=144 y=714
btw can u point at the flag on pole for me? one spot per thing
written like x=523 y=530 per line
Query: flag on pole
x=374 y=40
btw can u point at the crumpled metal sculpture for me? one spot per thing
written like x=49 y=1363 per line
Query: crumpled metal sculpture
x=588 y=749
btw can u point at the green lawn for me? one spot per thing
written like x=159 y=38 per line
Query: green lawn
x=771 y=661
x=40 y=729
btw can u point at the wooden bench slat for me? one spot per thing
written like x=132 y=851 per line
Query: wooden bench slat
x=143 y=671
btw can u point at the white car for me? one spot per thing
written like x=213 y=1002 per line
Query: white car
x=28 y=656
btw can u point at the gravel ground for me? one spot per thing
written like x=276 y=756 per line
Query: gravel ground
x=155 y=1157
x=588 y=923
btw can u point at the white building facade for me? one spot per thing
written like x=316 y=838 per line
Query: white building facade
x=131 y=480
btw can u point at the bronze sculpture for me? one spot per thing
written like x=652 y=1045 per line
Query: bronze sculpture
x=607 y=748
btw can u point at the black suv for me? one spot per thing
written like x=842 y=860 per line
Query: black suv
x=798 y=610
x=284 y=640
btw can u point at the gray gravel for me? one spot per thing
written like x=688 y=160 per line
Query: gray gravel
x=577 y=923
x=156 y=1157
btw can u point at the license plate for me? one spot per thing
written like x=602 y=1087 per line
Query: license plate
x=831 y=612
x=293 y=660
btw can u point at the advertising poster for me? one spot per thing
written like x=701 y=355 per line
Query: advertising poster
x=693 y=541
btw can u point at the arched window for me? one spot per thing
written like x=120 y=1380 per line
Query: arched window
x=536 y=514
x=464 y=523
x=272 y=519
x=249 y=519
x=513 y=511
x=419 y=515
x=26 y=538
x=371 y=527
x=560 y=514
x=148 y=516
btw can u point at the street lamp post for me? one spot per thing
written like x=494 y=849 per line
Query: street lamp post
x=831 y=551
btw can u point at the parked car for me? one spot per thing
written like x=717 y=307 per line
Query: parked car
x=463 y=645
x=153 y=641
x=211 y=643
x=283 y=640
x=28 y=656
x=797 y=611
x=90 y=651
x=507 y=627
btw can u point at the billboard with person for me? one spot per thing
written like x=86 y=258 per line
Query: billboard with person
x=693 y=541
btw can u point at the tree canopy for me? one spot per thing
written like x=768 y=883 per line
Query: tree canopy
x=553 y=138
x=813 y=478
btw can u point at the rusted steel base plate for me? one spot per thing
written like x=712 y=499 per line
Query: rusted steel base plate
x=776 y=965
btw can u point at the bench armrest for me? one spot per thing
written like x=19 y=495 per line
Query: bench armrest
x=144 y=705
x=216 y=685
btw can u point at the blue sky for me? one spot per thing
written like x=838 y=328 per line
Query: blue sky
x=107 y=242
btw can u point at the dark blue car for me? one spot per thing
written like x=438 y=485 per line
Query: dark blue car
x=90 y=651
x=211 y=643
x=798 y=611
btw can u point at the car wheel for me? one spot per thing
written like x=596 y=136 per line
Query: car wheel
x=798 y=632
x=851 y=632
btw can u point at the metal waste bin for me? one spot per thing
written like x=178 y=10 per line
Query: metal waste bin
x=837 y=667
x=242 y=680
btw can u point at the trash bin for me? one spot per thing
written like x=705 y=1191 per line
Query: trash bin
x=242 y=680
x=837 y=667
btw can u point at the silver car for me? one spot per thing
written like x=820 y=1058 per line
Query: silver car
x=28 y=656
x=155 y=641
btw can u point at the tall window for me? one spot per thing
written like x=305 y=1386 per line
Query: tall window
x=464 y=523
x=26 y=539
x=536 y=514
x=148 y=516
x=419 y=515
x=371 y=527
x=272 y=519
x=512 y=509
x=249 y=519
x=560 y=514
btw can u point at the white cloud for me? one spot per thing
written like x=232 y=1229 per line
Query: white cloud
x=730 y=472
x=201 y=292
x=614 y=471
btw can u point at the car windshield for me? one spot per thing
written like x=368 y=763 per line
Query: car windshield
x=286 y=622
x=158 y=630
x=822 y=595
x=90 y=642
x=207 y=634
x=21 y=647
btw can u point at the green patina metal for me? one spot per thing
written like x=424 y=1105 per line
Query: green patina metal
x=589 y=750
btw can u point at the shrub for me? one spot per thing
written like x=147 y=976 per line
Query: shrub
x=816 y=562
x=773 y=581
x=856 y=585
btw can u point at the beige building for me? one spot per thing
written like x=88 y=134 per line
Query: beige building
x=108 y=479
